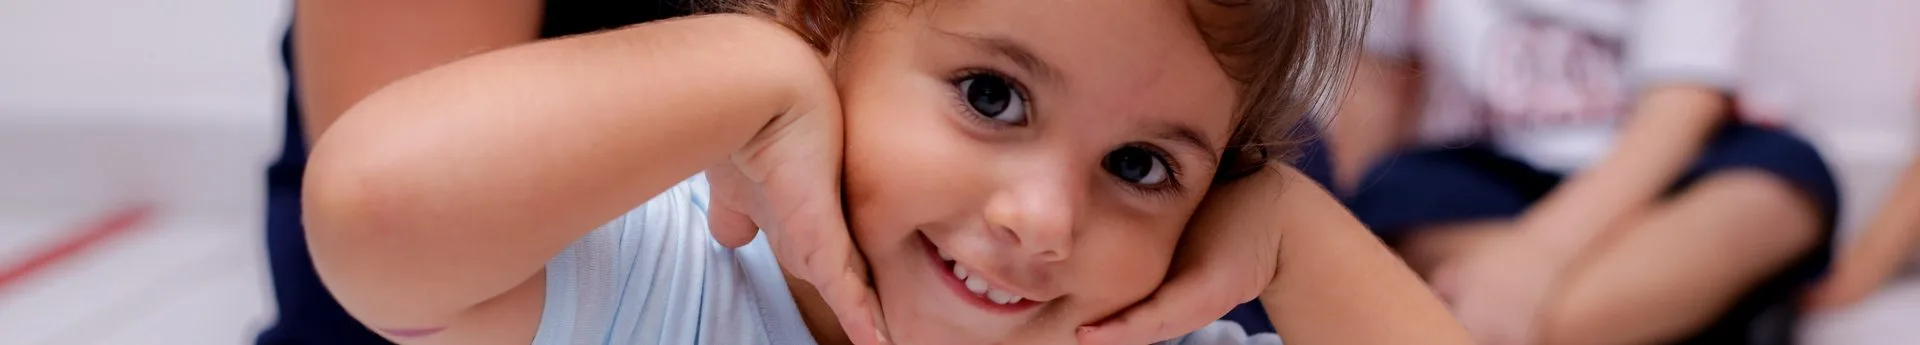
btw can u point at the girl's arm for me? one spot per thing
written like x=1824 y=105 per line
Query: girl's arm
x=346 y=49
x=1336 y=283
x=1668 y=129
x=1878 y=253
x=447 y=189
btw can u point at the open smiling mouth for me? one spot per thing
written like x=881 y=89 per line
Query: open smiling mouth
x=973 y=287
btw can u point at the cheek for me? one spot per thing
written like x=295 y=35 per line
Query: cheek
x=1120 y=267
x=906 y=165
x=901 y=164
x=906 y=169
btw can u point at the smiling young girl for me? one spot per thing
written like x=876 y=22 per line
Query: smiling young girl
x=1013 y=171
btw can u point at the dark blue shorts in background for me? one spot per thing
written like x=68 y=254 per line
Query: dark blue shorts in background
x=1445 y=185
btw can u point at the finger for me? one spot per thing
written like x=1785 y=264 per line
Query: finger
x=857 y=308
x=833 y=266
x=1182 y=305
x=727 y=216
x=730 y=227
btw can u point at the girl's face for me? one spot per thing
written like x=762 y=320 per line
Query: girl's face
x=1016 y=169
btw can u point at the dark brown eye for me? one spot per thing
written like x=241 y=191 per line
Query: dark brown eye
x=993 y=97
x=1137 y=165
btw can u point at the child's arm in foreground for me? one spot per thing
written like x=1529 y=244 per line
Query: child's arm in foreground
x=1336 y=283
x=451 y=188
x=1877 y=254
x=1323 y=278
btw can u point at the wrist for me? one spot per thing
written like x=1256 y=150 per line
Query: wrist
x=756 y=70
x=781 y=64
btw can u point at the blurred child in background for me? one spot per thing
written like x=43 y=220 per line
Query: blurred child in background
x=1576 y=171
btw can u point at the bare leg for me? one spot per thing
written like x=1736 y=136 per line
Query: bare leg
x=1683 y=263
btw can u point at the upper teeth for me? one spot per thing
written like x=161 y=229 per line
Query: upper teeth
x=979 y=285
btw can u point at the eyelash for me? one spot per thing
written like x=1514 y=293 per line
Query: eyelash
x=966 y=110
x=1168 y=189
x=1165 y=190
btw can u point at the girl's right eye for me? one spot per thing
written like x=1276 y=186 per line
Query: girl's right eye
x=1138 y=165
x=993 y=97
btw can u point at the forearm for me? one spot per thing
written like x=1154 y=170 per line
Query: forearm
x=1889 y=238
x=346 y=49
x=450 y=187
x=1667 y=130
x=1337 y=284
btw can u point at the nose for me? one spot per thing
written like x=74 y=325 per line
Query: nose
x=1036 y=214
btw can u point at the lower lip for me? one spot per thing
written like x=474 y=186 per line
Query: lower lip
x=960 y=288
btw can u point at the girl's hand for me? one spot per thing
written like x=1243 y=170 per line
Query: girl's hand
x=1223 y=260
x=787 y=182
x=1340 y=285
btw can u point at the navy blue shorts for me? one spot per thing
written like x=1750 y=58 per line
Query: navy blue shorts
x=1445 y=185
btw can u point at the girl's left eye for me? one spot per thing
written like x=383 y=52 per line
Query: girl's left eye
x=993 y=97
x=1137 y=165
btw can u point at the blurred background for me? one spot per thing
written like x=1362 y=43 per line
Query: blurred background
x=134 y=136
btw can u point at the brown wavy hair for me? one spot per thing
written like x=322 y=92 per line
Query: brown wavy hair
x=1289 y=57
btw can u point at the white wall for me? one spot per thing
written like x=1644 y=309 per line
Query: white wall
x=108 y=99
x=1849 y=70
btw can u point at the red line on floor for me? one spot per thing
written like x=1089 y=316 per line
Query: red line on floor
x=98 y=230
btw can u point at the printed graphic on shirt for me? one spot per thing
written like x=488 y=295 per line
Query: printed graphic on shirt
x=1540 y=74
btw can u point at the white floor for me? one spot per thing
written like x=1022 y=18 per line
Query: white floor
x=104 y=103
x=192 y=273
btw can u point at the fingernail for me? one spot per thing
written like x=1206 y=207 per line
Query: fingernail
x=882 y=336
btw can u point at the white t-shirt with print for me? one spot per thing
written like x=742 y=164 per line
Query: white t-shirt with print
x=655 y=276
x=1548 y=81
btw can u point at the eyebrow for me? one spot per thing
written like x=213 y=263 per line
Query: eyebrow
x=1012 y=50
x=1184 y=134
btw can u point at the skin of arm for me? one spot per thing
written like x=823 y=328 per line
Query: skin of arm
x=346 y=49
x=1334 y=282
x=450 y=188
x=1889 y=239
x=1668 y=129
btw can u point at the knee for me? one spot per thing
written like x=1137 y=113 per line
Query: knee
x=1775 y=209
